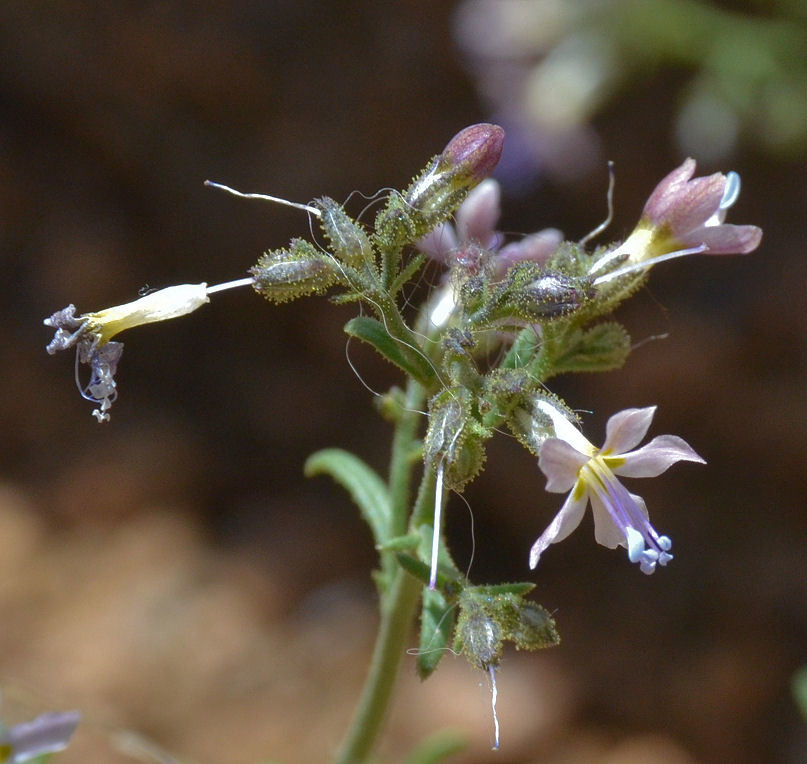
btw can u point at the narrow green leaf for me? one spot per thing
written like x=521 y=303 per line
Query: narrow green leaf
x=414 y=567
x=365 y=487
x=408 y=359
x=799 y=685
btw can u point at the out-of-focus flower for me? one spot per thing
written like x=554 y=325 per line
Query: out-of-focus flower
x=571 y=463
x=684 y=215
x=547 y=68
x=47 y=733
x=473 y=244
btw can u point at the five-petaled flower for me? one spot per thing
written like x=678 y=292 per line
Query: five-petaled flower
x=571 y=463
x=684 y=215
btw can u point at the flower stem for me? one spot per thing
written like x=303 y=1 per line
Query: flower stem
x=399 y=601
x=398 y=610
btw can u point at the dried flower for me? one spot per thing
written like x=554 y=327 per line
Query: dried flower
x=571 y=463
x=91 y=333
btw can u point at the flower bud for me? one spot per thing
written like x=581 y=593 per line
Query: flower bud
x=479 y=635
x=531 y=293
x=468 y=158
x=474 y=152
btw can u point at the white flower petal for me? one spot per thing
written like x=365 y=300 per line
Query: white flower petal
x=565 y=430
x=625 y=430
x=656 y=457
x=560 y=462
x=569 y=517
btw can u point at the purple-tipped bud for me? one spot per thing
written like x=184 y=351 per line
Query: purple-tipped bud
x=474 y=151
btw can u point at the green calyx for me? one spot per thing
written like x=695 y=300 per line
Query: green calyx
x=490 y=616
x=285 y=274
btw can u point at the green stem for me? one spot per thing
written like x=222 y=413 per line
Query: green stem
x=396 y=621
x=399 y=601
x=404 y=449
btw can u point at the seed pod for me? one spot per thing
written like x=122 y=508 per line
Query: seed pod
x=285 y=274
x=454 y=438
x=347 y=237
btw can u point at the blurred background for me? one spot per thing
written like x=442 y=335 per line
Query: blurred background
x=172 y=573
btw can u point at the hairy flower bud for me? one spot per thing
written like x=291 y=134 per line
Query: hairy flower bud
x=529 y=293
x=474 y=152
x=468 y=158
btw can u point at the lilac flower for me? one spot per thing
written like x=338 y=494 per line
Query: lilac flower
x=47 y=733
x=684 y=215
x=572 y=464
x=474 y=234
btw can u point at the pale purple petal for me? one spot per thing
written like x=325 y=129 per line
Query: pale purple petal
x=565 y=430
x=569 y=517
x=670 y=185
x=477 y=216
x=537 y=247
x=438 y=243
x=656 y=457
x=560 y=462
x=694 y=204
x=626 y=429
x=46 y=734
x=606 y=531
x=725 y=239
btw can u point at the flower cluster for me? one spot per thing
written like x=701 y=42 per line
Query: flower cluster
x=505 y=319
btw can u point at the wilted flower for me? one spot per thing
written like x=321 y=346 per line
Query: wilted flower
x=91 y=333
x=571 y=463
x=47 y=733
x=684 y=215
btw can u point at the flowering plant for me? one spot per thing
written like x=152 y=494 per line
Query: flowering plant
x=539 y=303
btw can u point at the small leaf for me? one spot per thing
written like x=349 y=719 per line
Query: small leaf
x=406 y=273
x=436 y=625
x=601 y=348
x=799 y=685
x=365 y=487
x=407 y=358
x=420 y=570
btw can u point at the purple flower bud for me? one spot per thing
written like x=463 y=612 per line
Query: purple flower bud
x=474 y=151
